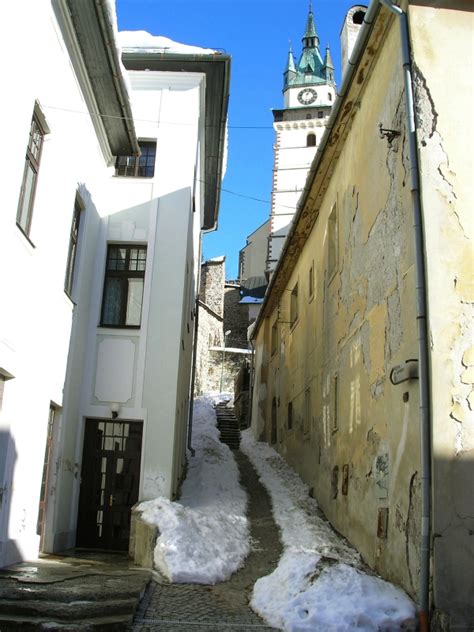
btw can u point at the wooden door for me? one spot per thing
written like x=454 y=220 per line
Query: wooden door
x=109 y=483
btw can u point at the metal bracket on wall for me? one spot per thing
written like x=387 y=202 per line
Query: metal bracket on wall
x=403 y=372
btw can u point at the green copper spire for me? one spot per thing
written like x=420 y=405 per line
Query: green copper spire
x=310 y=38
x=290 y=70
x=328 y=67
x=310 y=69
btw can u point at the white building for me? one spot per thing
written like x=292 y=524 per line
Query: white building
x=100 y=261
x=309 y=91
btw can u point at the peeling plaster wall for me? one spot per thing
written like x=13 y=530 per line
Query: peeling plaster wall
x=445 y=140
x=354 y=436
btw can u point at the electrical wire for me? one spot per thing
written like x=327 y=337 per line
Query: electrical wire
x=138 y=120
x=242 y=195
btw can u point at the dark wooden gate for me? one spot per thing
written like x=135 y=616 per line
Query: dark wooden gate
x=109 y=483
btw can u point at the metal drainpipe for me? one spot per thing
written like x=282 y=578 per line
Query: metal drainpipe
x=193 y=379
x=421 y=315
x=252 y=357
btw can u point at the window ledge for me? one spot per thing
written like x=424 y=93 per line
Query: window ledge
x=120 y=328
x=25 y=235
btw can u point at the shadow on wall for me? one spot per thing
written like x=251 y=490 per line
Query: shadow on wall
x=9 y=552
x=453 y=540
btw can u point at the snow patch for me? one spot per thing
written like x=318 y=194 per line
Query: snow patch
x=319 y=584
x=204 y=537
x=134 y=41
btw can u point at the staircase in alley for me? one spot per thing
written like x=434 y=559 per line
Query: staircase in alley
x=228 y=426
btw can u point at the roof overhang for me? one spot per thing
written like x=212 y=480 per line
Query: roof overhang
x=216 y=68
x=90 y=32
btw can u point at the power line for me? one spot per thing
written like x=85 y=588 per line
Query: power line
x=129 y=118
x=242 y=195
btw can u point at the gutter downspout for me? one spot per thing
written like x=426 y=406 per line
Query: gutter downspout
x=193 y=379
x=252 y=359
x=421 y=315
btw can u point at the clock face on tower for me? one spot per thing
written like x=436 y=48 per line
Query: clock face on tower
x=307 y=96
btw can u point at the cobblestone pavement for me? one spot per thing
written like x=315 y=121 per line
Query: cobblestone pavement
x=187 y=607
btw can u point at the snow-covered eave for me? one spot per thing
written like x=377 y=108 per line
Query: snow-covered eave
x=89 y=30
x=216 y=67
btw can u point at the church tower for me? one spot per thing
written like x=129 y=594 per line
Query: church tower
x=309 y=92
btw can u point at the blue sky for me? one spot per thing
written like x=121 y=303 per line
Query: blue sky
x=256 y=34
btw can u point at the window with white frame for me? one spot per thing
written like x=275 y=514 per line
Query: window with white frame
x=72 y=250
x=38 y=130
x=142 y=166
x=123 y=286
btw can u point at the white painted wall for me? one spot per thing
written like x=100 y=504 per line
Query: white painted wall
x=36 y=314
x=146 y=370
x=53 y=346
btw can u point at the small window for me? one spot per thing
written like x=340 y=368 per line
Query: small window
x=329 y=96
x=274 y=338
x=309 y=116
x=72 y=252
x=307 y=411
x=142 y=166
x=320 y=114
x=273 y=429
x=335 y=397
x=311 y=281
x=332 y=242
x=30 y=174
x=123 y=286
x=358 y=17
x=290 y=416
x=311 y=140
x=294 y=305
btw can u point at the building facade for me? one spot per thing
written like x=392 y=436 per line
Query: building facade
x=363 y=370
x=103 y=378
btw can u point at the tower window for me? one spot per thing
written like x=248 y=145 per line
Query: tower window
x=311 y=140
x=308 y=116
x=320 y=114
x=358 y=17
x=329 y=96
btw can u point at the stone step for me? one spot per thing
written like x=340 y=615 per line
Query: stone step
x=25 y=623
x=67 y=611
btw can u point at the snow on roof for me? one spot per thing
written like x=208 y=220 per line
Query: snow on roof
x=251 y=300
x=134 y=41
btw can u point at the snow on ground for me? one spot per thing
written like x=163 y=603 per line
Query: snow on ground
x=204 y=537
x=319 y=584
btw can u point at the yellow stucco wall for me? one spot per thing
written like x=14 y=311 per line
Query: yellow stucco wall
x=361 y=320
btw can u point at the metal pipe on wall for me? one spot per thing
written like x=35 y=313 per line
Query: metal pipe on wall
x=421 y=316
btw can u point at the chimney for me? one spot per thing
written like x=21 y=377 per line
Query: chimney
x=350 y=31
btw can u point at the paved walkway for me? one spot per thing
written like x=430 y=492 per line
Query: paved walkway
x=224 y=607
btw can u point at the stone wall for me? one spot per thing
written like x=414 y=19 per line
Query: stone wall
x=235 y=318
x=211 y=290
x=210 y=334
